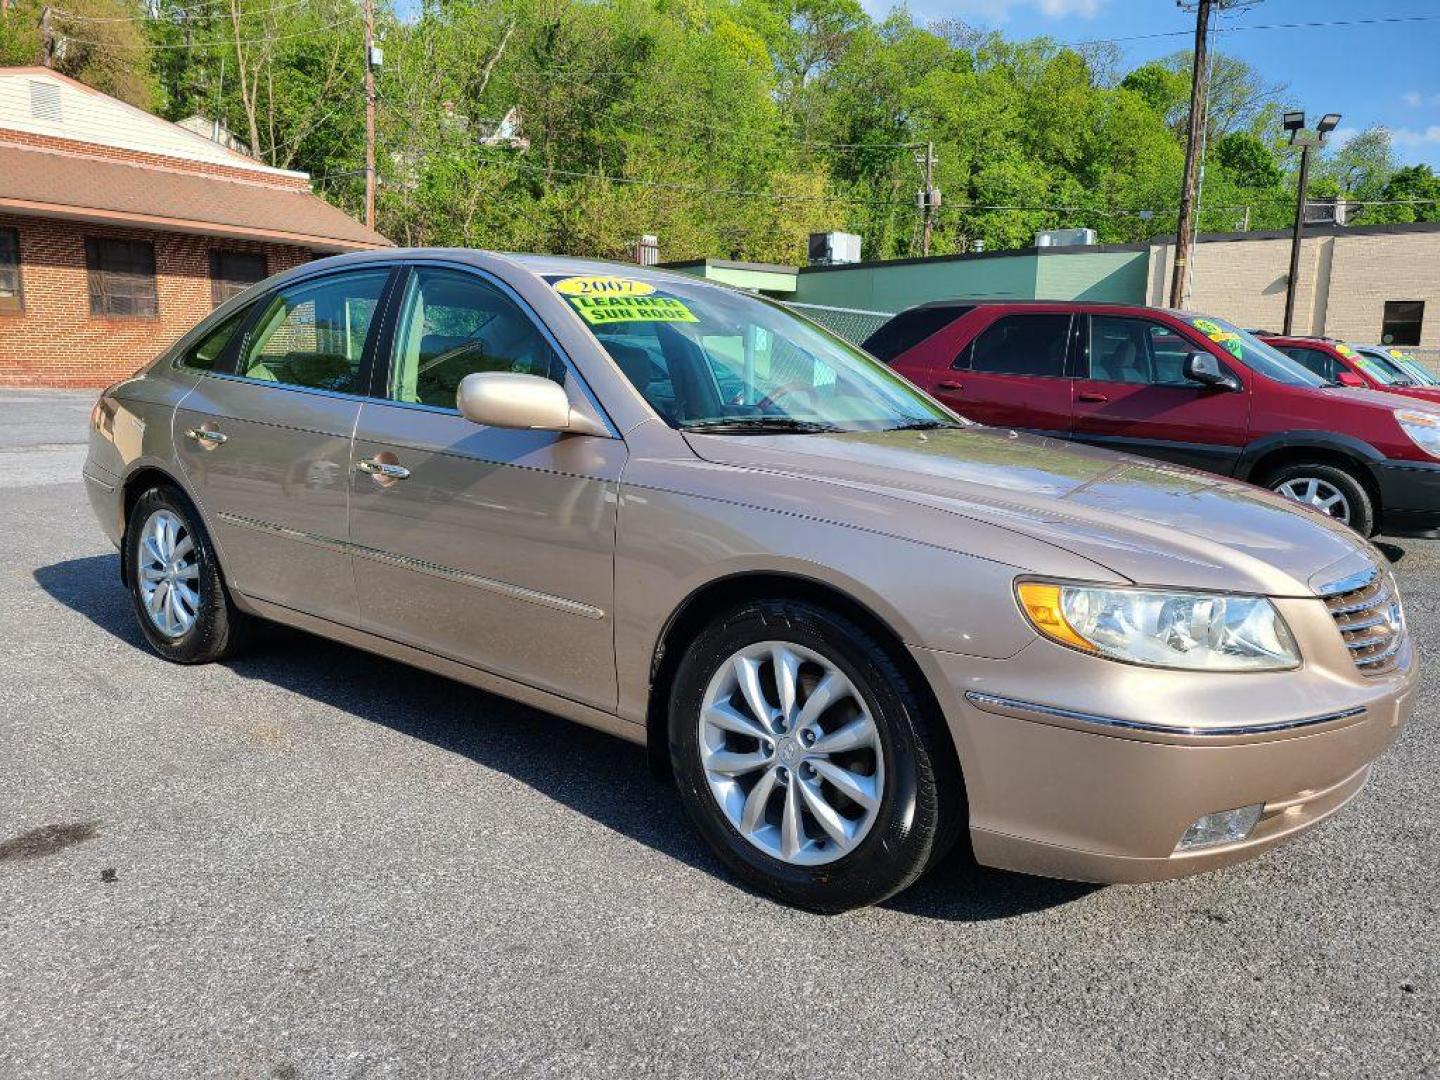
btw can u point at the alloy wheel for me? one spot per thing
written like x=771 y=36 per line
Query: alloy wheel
x=791 y=753
x=168 y=574
x=1320 y=494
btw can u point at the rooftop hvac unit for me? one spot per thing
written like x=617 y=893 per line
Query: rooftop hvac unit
x=834 y=248
x=1066 y=238
x=1325 y=211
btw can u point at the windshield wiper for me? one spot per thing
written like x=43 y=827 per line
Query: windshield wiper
x=759 y=425
x=925 y=425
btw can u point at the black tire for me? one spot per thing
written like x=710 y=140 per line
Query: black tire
x=922 y=806
x=1361 y=508
x=219 y=630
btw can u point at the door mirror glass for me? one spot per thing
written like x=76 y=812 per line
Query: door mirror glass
x=1203 y=368
x=1349 y=378
x=506 y=399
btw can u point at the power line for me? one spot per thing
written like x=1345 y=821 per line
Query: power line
x=224 y=8
x=1316 y=25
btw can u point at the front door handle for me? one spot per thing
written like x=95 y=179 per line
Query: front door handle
x=209 y=435
x=1098 y=399
x=949 y=384
x=383 y=469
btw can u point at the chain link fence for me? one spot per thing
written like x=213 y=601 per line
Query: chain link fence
x=852 y=324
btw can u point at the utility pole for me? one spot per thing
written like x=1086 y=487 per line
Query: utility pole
x=929 y=197
x=1192 y=155
x=370 y=113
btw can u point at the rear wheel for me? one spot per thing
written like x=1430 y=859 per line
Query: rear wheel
x=1329 y=489
x=807 y=759
x=175 y=584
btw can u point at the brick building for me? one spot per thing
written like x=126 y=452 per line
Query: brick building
x=119 y=230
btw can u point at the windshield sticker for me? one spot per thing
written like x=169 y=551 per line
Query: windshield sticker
x=1400 y=355
x=603 y=286
x=1345 y=350
x=1374 y=370
x=1227 y=339
x=597 y=310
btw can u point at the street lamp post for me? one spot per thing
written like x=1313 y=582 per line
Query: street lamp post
x=1294 y=123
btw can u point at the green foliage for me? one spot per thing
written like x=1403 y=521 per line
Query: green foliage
x=729 y=128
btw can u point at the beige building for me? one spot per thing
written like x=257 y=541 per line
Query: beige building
x=1367 y=284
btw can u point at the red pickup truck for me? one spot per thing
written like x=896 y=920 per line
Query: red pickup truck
x=1187 y=388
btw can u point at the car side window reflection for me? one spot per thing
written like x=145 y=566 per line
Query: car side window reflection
x=453 y=324
x=1320 y=363
x=313 y=335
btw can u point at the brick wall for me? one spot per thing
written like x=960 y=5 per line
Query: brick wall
x=55 y=341
x=1371 y=269
x=1345 y=279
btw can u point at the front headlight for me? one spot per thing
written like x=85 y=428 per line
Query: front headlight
x=1422 y=427
x=1193 y=631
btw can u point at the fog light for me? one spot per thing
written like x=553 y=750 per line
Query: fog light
x=1221 y=827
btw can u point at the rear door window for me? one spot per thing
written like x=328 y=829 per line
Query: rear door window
x=908 y=329
x=1022 y=344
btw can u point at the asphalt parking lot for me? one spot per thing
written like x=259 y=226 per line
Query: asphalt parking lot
x=315 y=863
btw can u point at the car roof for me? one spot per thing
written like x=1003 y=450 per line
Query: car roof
x=1081 y=305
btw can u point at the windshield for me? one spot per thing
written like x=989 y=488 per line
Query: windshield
x=1255 y=354
x=711 y=358
x=1413 y=370
x=1380 y=368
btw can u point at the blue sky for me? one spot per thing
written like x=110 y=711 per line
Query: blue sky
x=1370 y=74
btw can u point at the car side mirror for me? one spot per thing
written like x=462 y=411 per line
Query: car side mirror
x=506 y=399
x=1349 y=378
x=1203 y=368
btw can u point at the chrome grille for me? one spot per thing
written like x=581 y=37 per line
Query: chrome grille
x=1370 y=621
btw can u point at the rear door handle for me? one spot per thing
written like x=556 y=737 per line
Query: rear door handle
x=1096 y=398
x=949 y=384
x=383 y=469
x=208 y=435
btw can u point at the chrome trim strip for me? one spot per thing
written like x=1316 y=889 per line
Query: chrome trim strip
x=348 y=547
x=1380 y=657
x=1383 y=594
x=109 y=488
x=1350 y=582
x=982 y=700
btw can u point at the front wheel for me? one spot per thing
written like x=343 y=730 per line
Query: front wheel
x=1329 y=489
x=175 y=584
x=808 y=760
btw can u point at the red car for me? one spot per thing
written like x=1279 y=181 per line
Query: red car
x=1182 y=387
x=1349 y=365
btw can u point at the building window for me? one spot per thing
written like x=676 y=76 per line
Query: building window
x=11 y=298
x=233 y=272
x=1402 y=322
x=122 y=278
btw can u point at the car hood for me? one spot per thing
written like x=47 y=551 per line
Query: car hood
x=1147 y=521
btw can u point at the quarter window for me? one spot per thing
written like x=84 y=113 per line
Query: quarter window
x=233 y=272
x=204 y=353
x=313 y=335
x=1403 y=320
x=1023 y=345
x=1137 y=351
x=11 y=298
x=453 y=324
x=122 y=278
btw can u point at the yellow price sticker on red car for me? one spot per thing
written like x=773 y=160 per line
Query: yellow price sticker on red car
x=1345 y=350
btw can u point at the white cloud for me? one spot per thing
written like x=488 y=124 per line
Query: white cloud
x=998 y=11
x=1413 y=98
x=1411 y=137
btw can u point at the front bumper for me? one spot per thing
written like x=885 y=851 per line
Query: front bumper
x=1103 y=786
x=1409 y=498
